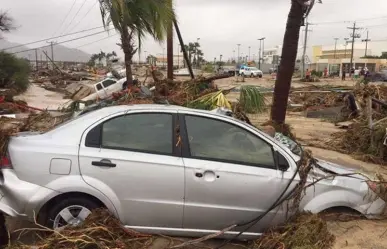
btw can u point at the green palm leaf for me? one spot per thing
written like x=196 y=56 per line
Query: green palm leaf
x=251 y=99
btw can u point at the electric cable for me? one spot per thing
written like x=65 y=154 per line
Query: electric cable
x=51 y=38
x=72 y=20
x=64 y=41
x=80 y=20
x=67 y=15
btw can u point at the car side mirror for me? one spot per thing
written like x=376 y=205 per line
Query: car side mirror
x=282 y=163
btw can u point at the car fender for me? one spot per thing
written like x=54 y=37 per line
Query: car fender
x=335 y=198
x=77 y=183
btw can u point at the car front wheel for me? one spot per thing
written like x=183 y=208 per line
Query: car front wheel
x=69 y=212
x=260 y=76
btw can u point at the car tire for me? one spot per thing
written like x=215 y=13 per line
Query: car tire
x=242 y=74
x=260 y=76
x=252 y=75
x=80 y=202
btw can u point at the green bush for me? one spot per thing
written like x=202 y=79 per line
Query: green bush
x=208 y=68
x=14 y=72
x=317 y=73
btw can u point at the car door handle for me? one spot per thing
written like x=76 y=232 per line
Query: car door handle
x=199 y=175
x=104 y=163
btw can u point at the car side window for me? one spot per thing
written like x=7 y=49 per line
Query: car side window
x=145 y=132
x=108 y=83
x=99 y=86
x=212 y=139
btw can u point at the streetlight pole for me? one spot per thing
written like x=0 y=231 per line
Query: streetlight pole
x=260 y=51
x=239 y=45
x=249 y=53
x=336 y=39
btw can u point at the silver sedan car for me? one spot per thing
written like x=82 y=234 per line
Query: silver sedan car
x=165 y=169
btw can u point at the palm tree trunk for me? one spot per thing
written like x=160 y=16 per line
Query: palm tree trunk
x=129 y=51
x=287 y=64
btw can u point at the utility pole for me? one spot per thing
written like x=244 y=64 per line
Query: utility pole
x=354 y=36
x=346 y=44
x=336 y=39
x=36 y=59
x=239 y=45
x=249 y=53
x=366 y=41
x=305 y=45
x=52 y=53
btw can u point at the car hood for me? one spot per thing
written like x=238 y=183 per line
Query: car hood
x=336 y=168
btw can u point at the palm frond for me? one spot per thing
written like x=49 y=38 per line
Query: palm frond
x=211 y=101
x=251 y=99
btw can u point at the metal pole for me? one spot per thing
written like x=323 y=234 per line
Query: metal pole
x=304 y=52
x=238 y=52
x=249 y=54
x=260 y=50
x=263 y=50
x=336 y=39
x=36 y=59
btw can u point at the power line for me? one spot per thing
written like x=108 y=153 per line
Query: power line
x=91 y=8
x=52 y=38
x=110 y=36
x=67 y=15
x=78 y=38
x=72 y=20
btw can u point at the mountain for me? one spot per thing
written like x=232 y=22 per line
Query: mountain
x=61 y=53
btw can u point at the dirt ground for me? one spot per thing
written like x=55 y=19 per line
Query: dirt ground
x=359 y=234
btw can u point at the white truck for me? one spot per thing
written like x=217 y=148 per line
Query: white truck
x=105 y=88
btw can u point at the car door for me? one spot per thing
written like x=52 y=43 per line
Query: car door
x=133 y=159
x=101 y=93
x=230 y=175
x=110 y=86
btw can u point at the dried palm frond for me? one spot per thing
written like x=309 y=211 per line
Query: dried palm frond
x=211 y=101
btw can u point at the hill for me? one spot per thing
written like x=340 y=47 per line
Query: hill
x=61 y=53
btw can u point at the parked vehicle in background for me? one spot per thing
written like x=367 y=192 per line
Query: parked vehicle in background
x=379 y=76
x=250 y=72
x=128 y=159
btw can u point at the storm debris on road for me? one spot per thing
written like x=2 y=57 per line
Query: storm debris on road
x=304 y=230
x=100 y=230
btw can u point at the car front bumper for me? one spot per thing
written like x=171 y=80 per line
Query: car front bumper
x=20 y=198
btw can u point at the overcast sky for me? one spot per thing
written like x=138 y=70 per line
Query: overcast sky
x=220 y=24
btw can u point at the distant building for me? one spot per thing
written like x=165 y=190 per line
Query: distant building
x=270 y=54
x=335 y=59
x=178 y=61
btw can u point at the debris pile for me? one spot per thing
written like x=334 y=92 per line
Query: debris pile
x=305 y=230
x=100 y=230
x=366 y=141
